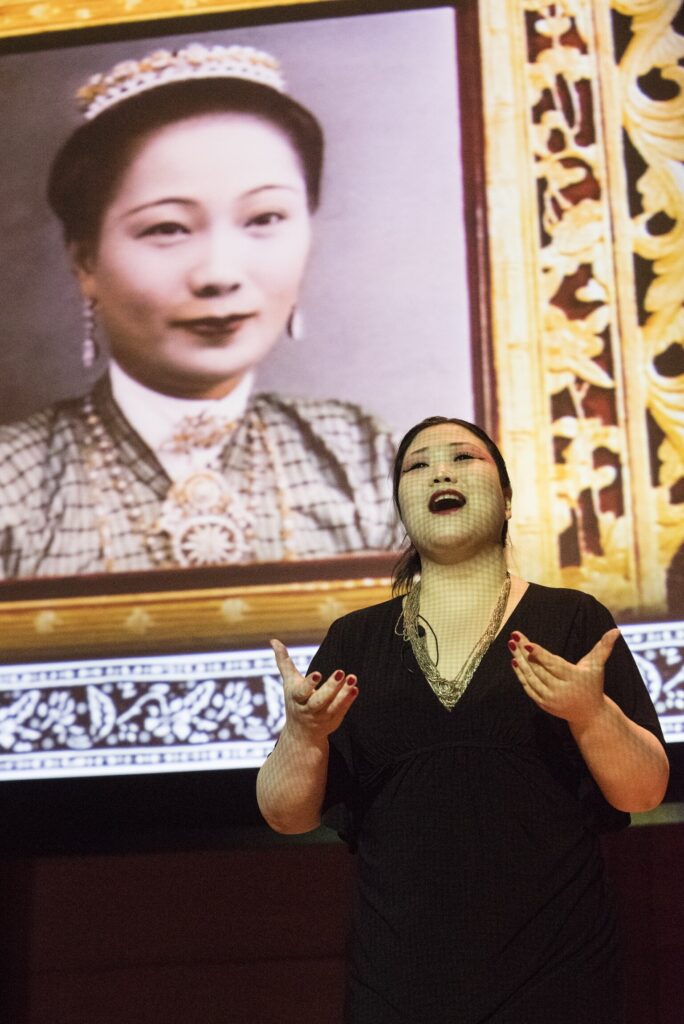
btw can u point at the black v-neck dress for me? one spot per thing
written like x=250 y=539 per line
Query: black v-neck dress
x=481 y=895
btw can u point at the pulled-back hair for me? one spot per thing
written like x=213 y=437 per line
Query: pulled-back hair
x=408 y=566
x=89 y=167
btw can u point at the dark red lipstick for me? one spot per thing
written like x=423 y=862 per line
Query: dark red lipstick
x=447 y=500
x=215 y=326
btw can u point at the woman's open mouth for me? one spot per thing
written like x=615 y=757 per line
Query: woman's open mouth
x=445 y=501
x=215 y=327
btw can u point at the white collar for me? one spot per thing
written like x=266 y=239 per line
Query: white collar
x=155 y=417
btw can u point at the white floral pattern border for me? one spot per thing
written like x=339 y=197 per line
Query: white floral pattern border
x=658 y=650
x=134 y=715
x=205 y=711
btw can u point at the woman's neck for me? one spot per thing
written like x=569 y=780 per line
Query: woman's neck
x=465 y=591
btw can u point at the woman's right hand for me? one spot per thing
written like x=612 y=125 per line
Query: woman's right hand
x=313 y=710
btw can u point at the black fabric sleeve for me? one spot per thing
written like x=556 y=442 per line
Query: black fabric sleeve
x=623 y=681
x=340 y=791
x=623 y=684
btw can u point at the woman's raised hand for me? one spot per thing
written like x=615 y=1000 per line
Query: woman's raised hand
x=572 y=692
x=313 y=708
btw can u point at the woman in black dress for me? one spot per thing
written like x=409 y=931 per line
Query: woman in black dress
x=470 y=739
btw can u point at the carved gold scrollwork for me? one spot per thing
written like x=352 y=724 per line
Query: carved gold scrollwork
x=652 y=81
x=609 y=329
x=579 y=342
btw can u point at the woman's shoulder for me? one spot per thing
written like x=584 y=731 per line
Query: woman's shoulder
x=563 y=597
x=32 y=430
x=28 y=441
x=34 y=425
x=562 y=616
x=370 y=618
x=43 y=418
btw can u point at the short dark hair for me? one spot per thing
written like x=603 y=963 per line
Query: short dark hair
x=408 y=565
x=88 y=168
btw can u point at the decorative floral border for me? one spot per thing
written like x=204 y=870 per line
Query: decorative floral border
x=131 y=715
x=205 y=711
x=658 y=650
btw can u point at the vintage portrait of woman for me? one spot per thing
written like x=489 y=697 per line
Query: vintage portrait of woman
x=187 y=201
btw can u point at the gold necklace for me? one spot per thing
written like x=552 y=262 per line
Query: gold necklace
x=450 y=691
x=202 y=521
x=197 y=431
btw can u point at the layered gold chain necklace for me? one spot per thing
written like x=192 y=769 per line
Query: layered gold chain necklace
x=203 y=520
x=449 y=691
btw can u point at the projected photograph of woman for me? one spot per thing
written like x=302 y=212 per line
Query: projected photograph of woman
x=222 y=260
x=186 y=200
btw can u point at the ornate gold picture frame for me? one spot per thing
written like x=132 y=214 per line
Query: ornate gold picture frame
x=584 y=215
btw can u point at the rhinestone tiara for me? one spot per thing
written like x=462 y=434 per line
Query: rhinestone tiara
x=162 y=67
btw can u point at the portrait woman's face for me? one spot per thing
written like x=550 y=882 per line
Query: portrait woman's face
x=450 y=495
x=201 y=253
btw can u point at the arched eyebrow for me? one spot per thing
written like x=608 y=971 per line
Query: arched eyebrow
x=452 y=444
x=166 y=200
x=267 y=188
x=184 y=201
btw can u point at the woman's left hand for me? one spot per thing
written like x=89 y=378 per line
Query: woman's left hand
x=572 y=692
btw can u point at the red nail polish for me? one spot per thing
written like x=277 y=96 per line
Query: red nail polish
x=514 y=663
x=516 y=636
x=351 y=680
x=511 y=645
x=529 y=647
x=339 y=676
x=316 y=677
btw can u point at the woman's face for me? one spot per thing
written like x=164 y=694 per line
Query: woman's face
x=201 y=253
x=450 y=495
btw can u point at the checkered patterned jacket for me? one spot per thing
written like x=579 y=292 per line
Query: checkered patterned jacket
x=56 y=519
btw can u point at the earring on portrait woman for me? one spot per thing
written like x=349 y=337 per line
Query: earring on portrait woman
x=89 y=347
x=295 y=324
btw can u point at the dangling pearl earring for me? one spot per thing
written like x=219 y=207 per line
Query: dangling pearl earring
x=89 y=348
x=295 y=324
